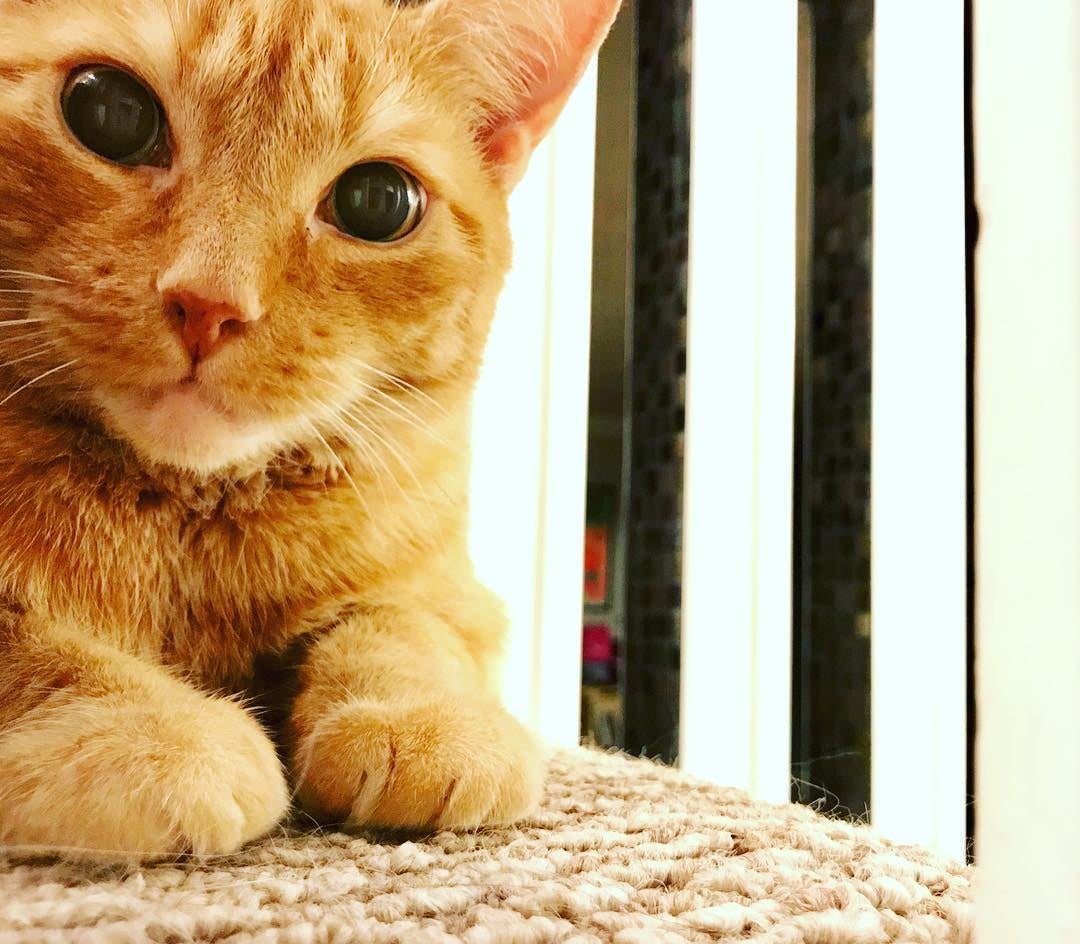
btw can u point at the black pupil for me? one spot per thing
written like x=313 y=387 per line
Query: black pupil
x=113 y=114
x=372 y=201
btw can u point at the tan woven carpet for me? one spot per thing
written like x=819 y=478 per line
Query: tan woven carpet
x=622 y=851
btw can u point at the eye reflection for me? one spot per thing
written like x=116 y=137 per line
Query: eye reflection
x=115 y=116
x=376 y=202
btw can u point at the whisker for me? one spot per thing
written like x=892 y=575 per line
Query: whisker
x=396 y=408
x=314 y=429
x=407 y=387
x=365 y=448
x=400 y=384
x=16 y=291
x=37 y=352
x=396 y=454
x=409 y=416
x=20 y=321
x=330 y=412
x=22 y=274
x=38 y=378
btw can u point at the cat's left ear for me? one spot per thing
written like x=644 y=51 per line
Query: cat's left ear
x=533 y=54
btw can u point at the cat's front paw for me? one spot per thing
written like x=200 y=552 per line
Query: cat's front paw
x=453 y=764
x=109 y=778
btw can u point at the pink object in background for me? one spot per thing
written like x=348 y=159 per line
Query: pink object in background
x=597 y=644
x=598 y=654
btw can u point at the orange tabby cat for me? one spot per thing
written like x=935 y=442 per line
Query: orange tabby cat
x=249 y=254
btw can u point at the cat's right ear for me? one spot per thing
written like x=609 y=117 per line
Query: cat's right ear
x=524 y=57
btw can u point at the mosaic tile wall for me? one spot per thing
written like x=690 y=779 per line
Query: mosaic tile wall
x=832 y=740
x=657 y=387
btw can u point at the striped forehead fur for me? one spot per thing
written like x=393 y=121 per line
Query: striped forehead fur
x=488 y=52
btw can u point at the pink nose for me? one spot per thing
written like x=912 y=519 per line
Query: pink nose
x=205 y=324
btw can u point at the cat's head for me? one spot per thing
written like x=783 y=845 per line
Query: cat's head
x=227 y=226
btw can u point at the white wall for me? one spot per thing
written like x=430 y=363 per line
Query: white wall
x=1027 y=62
x=530 y=428
x=737 y=515
x=919 y=461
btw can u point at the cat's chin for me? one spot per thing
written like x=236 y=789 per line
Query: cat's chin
x=179 y=427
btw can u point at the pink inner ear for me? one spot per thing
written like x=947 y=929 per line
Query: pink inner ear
x=512 y=138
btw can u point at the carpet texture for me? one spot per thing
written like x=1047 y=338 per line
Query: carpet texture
x=622 y=851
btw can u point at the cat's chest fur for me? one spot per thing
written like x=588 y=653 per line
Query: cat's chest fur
x=204 y=578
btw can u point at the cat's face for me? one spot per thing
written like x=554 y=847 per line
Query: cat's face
x=320 y=207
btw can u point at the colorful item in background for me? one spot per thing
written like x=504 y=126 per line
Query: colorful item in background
x=599 y=529
x=601 y=704
x=598 y=655
x=596 y=564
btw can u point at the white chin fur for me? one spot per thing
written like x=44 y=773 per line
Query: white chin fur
x=180 y=429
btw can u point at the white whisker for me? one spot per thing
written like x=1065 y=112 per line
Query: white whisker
x=353 y=439
x=38 y=378
x=396 y=454
x=396 y=408
x=22 y=274
x=341 y=465
x=409 y=388
x=18 y=337
x=403 y=385
x=359 y=440
x=408 y=416
x=21 y=321
x=37 y=352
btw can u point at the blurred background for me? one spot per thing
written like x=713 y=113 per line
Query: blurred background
x=777 y=446
x=637 y=394
x=723 y=438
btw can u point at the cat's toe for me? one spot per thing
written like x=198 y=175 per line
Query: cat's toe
x=108 y=779
x=452 y=764
x=477 y=801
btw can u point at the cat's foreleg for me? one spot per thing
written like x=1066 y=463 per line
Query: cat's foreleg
x=393 y=726
x=104 y=755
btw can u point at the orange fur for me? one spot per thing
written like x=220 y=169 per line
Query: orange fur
x=308 y=503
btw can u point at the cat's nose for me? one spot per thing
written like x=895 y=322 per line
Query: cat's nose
x=205 y=323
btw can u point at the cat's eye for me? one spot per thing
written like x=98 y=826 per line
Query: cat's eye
x=376 y=202
x=115 y=115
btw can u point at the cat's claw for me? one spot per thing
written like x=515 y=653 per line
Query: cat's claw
x=449 y=765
